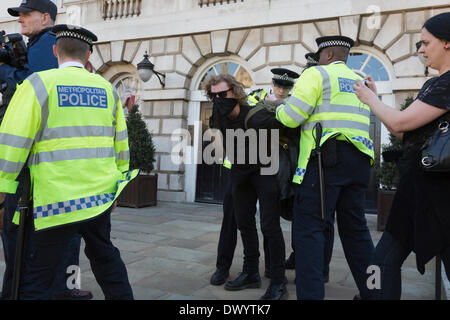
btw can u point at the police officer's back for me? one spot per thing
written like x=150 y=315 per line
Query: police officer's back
x=323 y=95
x=73 y=127
x=36 y=18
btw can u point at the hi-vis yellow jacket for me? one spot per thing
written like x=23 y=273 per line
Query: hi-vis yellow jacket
x=324 y=94
x=70 y=125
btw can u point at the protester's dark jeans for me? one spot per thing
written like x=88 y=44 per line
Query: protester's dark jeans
x=389 y=256
x=106 y=263
x=246 y=190
x=228 y=232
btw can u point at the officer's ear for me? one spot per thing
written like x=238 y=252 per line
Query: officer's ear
x=88 y=55
x=46 y=19
x=330 y=55
x=55 y=52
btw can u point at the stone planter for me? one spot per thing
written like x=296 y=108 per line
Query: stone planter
x=140 y=192
x=385 y=198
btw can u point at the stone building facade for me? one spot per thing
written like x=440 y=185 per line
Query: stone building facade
x=187 y=39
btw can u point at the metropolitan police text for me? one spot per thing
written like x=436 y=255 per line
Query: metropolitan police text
x=76 y=96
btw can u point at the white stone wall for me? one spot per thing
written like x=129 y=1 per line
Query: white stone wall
x=179 y=37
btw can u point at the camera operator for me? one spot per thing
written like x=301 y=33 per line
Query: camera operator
x=36 y=18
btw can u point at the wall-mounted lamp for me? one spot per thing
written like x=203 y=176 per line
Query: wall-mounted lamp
x=146 y=70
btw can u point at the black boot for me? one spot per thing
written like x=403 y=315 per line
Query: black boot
x=244 y=281
x=219 y=277
x=276 y=292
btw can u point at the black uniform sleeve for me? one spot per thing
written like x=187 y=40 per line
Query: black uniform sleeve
x=436 y=92
x=264 y=119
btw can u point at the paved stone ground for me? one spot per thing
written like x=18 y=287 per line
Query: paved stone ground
x=170 y=254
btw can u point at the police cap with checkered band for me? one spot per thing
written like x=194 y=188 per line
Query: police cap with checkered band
x=284 y=77
x=312 y=59
x=334 y=41
x=74 y=32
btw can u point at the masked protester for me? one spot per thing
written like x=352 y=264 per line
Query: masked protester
x=249 y=184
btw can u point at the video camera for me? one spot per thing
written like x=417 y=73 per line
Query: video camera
x=14 y=50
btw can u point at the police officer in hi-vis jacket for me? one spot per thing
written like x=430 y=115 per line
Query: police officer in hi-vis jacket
x=324 y=94
x=70 y=125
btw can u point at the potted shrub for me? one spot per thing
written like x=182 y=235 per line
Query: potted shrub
x=142 y=191
x=388 y=175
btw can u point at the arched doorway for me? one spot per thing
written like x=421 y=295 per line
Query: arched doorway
x=364 y=62
x=205 y=183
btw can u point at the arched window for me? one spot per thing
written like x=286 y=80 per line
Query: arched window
x=232 y=68
x=367 y=64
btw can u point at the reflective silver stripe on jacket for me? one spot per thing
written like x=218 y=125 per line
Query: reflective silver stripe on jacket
x=122 y=135
x=123 y=155
x=116 y=102
x=42 y=97
x=300 y=104
x=293 y=115
x=338 y=108
x=10 y=167
x=77 y=132
x=73 y=154
x=326 y=85
x=340 y=124
x=15 y=141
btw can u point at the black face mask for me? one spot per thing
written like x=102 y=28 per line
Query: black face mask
x=224 y=106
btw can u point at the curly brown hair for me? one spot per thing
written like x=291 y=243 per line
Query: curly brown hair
x=235 y=86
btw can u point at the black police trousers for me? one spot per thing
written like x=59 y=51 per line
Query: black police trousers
x=248 y=187
x=50 y=245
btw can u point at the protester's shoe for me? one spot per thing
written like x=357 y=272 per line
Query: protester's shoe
x=357 y=297
x=219 y=277
x=244 y=281
x=276 y=292
x=290 y=262
x=74 y=294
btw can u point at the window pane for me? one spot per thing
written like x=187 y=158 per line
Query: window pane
x=356 y=60
x=233 y=69
x=243 y=77
x=375 y=69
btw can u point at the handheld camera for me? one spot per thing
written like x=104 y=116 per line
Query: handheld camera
x=14 y=50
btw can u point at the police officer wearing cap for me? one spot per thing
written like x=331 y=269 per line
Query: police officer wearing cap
x=312 y=59
x=36 y=18
x=323 y=94
x=73 y=122
x=283 y=81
